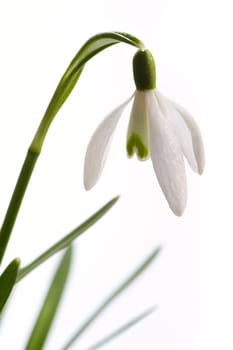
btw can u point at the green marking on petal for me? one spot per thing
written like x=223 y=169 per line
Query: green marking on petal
x=135 y=145
x=137 y=135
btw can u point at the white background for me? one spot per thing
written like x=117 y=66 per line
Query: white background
x=191 y=281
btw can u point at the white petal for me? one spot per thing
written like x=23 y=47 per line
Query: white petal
x=166 y=157
x=98 y=146
x=137 y=136
x=187 y=132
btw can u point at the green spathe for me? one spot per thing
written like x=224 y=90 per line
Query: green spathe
x=144 y=70
x=71 y=76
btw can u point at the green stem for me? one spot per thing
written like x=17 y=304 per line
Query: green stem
x=68 y=81
x=16 y=200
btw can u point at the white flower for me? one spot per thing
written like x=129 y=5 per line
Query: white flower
x=158 y=129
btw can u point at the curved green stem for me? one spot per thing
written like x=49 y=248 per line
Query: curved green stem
x=68 y=81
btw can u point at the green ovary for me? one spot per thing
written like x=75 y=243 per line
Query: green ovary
x=135 y=145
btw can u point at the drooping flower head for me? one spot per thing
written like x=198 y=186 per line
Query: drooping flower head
x=158 y=129
x=145 y=80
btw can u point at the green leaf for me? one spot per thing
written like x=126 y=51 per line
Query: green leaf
x=142 y=267
x=50 y=305
x=7 y=281
x=92 y=47
x=67 y=240
x=121 y=330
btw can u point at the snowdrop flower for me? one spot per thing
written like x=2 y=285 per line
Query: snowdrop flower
x=158 y=129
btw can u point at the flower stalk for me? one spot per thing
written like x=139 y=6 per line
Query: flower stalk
x=68 y=81
x=16 y=200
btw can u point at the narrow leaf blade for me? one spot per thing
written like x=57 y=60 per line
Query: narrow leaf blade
x=117 y=292
x=67 y=240
x=119 y=331
x=7 y=281
x=50 y=305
